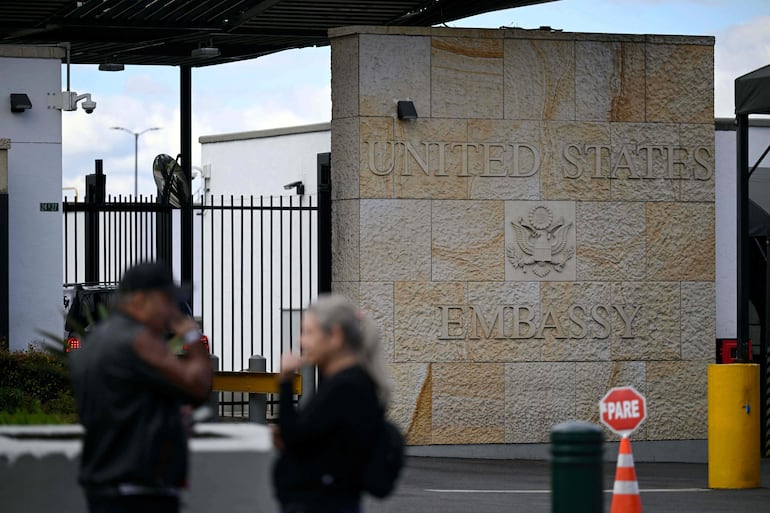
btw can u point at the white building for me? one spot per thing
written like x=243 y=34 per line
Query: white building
x=34 y=191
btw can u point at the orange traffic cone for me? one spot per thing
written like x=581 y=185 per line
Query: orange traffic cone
x=625 y=494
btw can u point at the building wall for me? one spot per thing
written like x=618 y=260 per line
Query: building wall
x=262 y=162
x=515 y=276
x=726 y=230
x=35 y=177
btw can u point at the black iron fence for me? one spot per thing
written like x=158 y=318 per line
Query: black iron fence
x=255 y=265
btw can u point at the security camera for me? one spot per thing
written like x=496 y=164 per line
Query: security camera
x=68 y=100
x=89 y=106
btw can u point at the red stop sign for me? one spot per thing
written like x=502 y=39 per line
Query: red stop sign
x=622 y=409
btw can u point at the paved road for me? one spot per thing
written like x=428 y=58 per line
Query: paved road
x=523 y=487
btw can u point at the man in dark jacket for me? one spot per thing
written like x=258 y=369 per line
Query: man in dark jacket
x=130 y=389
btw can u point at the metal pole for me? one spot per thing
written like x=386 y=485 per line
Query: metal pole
x=576 y=468
x=742 y=203
x=258 y=402
x=5 y=145
x=185 y=106
x=136 y=165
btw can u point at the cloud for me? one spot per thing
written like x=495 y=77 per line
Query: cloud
x=739 y=49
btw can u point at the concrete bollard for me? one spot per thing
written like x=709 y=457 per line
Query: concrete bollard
x=576 y=468
x=258 y=402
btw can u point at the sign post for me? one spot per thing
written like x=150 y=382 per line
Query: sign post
x=622 y=410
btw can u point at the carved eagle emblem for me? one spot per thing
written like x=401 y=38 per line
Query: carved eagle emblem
x=541 y=244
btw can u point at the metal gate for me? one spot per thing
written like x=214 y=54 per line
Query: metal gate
x=258 y=262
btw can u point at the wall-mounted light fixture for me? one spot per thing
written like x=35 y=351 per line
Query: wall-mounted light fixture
x=405 y=110
x=206 y=51
x=20 y=102
x=296 y=185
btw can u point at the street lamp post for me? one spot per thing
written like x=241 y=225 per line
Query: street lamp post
x=136 y=153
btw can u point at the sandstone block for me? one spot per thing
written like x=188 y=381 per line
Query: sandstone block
x=699 y=162
x=680 y=83
x=539 y=79
x=677 y=400
x=639 y=162
x=698 y=320
x=655 y=326
x=463 y=68
x=572 y=321
x=680 y=241
x=609 y=81
x=393 y=242
x=378 y=157
x=418 y=322
x=345 y=155
x=349 y=289
x=345 y=240
x=401 y=72
x=468 y=240
x=489 y=340
x=537 y=397
x=430 y=161
x=345 y=77
x=611 y=241
x=411 y=405
x=575 y=161
x=468 y=403
x=377 y=302
x=509 y=166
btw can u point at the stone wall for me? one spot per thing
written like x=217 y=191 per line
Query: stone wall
x=542 y=232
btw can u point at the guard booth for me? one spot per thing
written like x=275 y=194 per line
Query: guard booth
x=752 y=96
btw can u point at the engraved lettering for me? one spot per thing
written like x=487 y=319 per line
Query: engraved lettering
x=578 y=171
x=487 y=328
x=423 y=162
x=602 y=320
x=624 y=162
x=549 y=320
x=597 y=149
x=516 y=170
x=519 y=320
x=489 y=159
x=455 y=325
x=577 y=320
x=706 y=166
x=628 y=318
x=383 y=169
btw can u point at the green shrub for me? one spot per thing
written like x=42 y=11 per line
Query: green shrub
x=35 y=383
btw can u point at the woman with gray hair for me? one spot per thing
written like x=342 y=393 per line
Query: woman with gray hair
x=325 y=445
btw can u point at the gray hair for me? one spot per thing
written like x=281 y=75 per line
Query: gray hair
x=360 y=336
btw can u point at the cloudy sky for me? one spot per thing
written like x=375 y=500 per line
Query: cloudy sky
x=293 y=87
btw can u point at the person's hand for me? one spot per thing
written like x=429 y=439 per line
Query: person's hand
x=290 y=364
x=277 y=439
x=182 y=324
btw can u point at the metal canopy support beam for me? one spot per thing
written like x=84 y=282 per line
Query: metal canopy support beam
x=742 y=140
x=185 y=107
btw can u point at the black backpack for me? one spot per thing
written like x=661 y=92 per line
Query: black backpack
x=384 y=466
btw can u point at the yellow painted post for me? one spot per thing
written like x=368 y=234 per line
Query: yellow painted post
x=733 y=425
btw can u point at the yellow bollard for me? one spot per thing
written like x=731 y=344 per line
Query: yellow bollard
x=733 y=425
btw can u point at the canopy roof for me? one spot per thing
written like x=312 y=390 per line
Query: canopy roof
x=164 y=32
x=752 y=92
